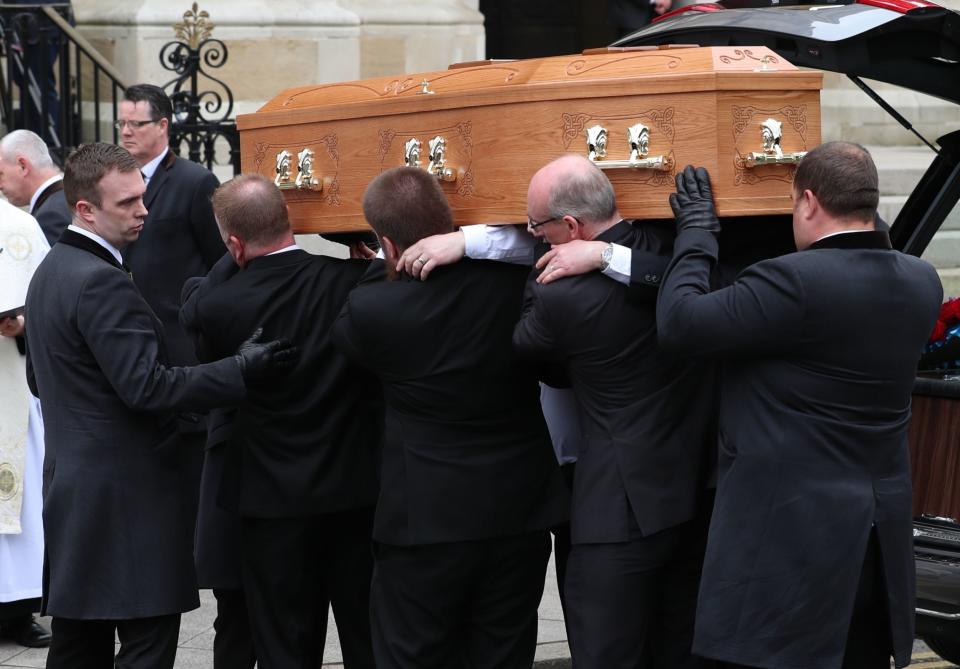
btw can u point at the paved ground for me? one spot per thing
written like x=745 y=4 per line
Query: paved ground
x=196 y=640
x=196 y=637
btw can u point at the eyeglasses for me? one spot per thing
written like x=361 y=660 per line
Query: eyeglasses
x=533 y=225
x=134 y=125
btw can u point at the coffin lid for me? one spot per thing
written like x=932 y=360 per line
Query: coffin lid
x=606 y=73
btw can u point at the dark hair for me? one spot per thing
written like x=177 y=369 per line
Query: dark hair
x=155 y=97
x=251 y=207
x=844 y=179
x=407 y=204
x=86 y=166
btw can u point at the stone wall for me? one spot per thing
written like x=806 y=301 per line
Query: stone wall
x=282 y=43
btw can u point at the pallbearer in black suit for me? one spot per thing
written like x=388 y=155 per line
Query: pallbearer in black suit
x=309 y=447
x=118 y=537
x=179 y=240
x=640 y=499
x=28 y=176
x=469 y=481
x=810 y=556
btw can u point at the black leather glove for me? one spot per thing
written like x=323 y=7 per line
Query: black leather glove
x=692 y=204
x=259 y=360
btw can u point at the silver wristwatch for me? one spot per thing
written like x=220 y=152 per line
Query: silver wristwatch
x=606 y=256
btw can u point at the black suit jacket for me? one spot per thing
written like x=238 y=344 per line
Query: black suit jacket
x=309 y=442
x=647 y=416
x=820 y=351
x=179 y=240
x=52 y=212
x=118 y=537
x=467 y=454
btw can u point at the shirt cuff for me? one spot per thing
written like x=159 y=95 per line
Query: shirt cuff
x=507 y=243
x=619 y=267
x=474 y=241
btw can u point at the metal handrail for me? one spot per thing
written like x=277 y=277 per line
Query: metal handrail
x=88 y=49
x=53 y=76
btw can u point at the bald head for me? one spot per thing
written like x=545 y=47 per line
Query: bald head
x=572 y=185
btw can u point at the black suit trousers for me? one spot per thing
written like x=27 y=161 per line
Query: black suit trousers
x=561 y=542
x=869 y=645
x=632 y=604
x=294 y=569
x=145 y=643
x=460 y=604
x=232 y=641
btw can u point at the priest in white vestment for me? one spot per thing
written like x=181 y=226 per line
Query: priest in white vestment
x=22 y=247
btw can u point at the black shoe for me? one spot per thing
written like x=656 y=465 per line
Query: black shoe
x=28 y=633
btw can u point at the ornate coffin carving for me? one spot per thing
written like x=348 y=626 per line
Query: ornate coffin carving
x=484 y=129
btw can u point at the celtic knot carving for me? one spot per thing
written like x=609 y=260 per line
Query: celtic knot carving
x=331 y=142
x=333 y=193
x=573 y=125
x=386 y=139
x=465 y=129
x=663 y=118
x=466 y=184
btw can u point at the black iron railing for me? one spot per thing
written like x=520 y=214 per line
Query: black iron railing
x=55 y=82
x=202 y=118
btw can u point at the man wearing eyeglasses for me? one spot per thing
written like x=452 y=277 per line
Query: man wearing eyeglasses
x=180 y=240
x=640 y=496
x=180 y=237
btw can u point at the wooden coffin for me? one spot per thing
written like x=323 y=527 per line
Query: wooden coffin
x=720 y=107
x=935 y=448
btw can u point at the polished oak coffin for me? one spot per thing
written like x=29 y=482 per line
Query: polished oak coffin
x=484 y=129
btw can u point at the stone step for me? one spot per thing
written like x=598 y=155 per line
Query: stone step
x=849 y=113
x=944 y=250
x=900 y=167
x=951 y=282
x=891 y=205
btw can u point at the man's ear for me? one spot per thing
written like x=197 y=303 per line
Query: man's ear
x=84 y=211
x=391 y=252
x=811 y=205
x=237 y=249
x=573 y=227
x=23 y=164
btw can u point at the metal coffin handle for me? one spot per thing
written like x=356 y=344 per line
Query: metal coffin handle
x=438 y=157
x=638 y=138
x=305 y=179
x=770 y=134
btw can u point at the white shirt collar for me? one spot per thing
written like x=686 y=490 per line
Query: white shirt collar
x=292 y=247
x=840 y=232
x=52 y=180
x=150 y=168
x=98 y=239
